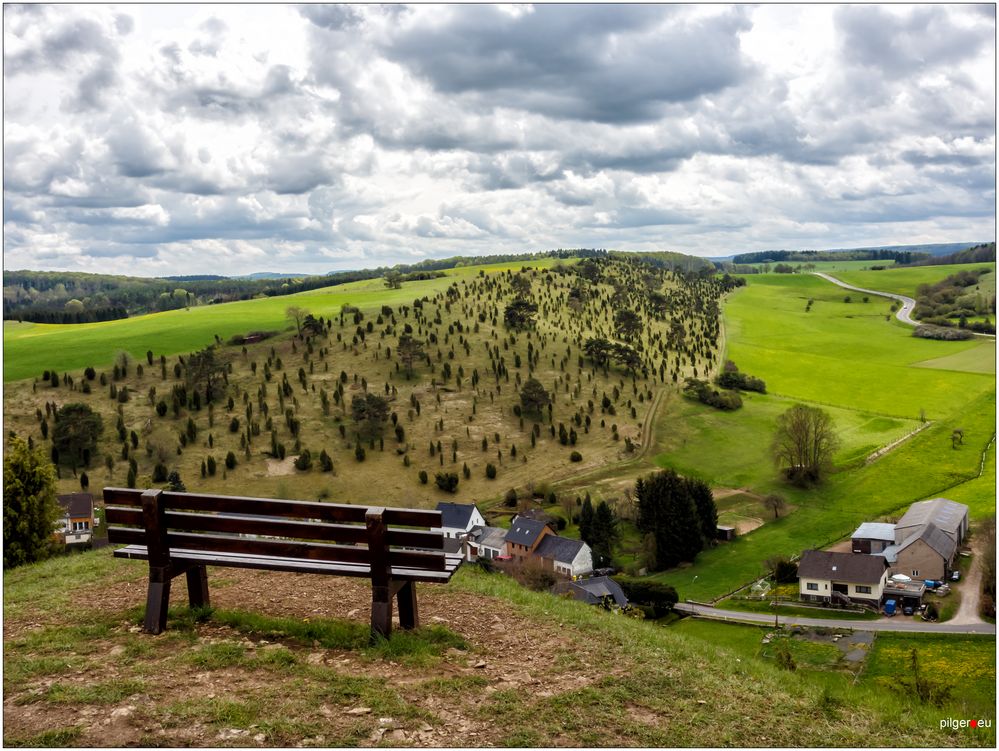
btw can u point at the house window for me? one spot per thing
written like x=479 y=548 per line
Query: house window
x=862 y=590
x=915 y=572
x=81 y=526
x=812 y=586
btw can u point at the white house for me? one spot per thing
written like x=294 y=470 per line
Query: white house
x=842 y=577
x=566 y=556
x=458 y=519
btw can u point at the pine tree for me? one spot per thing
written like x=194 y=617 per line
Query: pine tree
x=707 y=512
x=586 y=521
x=29 y=504
x=603 y=534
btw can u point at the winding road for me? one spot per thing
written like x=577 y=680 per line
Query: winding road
x=903 y=314
x=898 y=623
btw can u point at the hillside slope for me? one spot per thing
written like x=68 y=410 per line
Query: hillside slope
x=496 y=665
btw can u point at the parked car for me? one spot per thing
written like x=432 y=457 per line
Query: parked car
x=907 y=610
x=955 y=576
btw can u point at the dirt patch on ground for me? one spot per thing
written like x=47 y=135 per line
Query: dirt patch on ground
x=279 y=467
x=844 y=546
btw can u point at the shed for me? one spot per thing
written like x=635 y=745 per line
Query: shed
x=725 y=532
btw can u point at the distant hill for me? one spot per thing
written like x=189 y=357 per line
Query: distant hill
x=932 y=249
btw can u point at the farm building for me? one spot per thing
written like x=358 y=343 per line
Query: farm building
x=872 y=537
x=948 y=516
x=725 y=532
x=842 y=577
x=927 y=553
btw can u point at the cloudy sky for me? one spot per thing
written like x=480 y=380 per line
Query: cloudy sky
x=175 y=139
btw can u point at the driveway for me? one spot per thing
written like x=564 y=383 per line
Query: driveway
x=971 y=594
x=898 y=623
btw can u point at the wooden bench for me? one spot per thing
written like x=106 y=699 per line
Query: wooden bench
x=183 y=533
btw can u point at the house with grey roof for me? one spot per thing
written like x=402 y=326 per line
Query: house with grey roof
x=487 y=542
x=873 y=537
x=946 y=515
x=842 y=577
x=597 y=590
x=458 y=519
x=927 y=553
x=565 y=556
x=524 y=536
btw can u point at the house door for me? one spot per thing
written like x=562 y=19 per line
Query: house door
x=840 y=588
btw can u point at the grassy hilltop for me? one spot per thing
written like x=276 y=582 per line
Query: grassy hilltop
x=283 y=661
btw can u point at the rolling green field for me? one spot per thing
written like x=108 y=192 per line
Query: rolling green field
x=980 y=359
x=842 y=354
x=30 y=348
x=905 y=280
x=690 y=432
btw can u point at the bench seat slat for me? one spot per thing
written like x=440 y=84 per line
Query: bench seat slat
x=293 y=565
x=429 y=560
x=274 y=526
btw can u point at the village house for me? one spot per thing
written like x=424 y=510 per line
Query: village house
x=842 y=577
x=524 y=536
x=565 y=556
x=487 y=543
x=458 y=519
x=75 y=526
x=597 y=590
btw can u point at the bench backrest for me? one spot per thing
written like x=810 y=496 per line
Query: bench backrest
x=372 y=535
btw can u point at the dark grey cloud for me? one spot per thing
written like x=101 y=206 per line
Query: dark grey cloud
x=612 y=64
x=894 y=45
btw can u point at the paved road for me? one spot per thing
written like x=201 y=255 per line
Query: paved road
x=898 y=623
x=903 y=313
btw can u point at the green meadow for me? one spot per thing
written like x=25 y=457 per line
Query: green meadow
x=30 y=348
x=963 y=665
x=846 y=354
x=870 y=374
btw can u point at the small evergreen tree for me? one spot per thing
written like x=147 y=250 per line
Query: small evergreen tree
x=30 y=510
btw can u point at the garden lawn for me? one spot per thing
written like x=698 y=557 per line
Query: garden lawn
x=30 y=348
x=841 y=354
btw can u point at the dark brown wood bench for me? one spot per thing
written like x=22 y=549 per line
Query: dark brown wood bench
x=183 y=533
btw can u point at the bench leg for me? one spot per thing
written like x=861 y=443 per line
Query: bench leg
x=197 y=587
x=409 y=615
x=157 y=602
x=381 y=612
